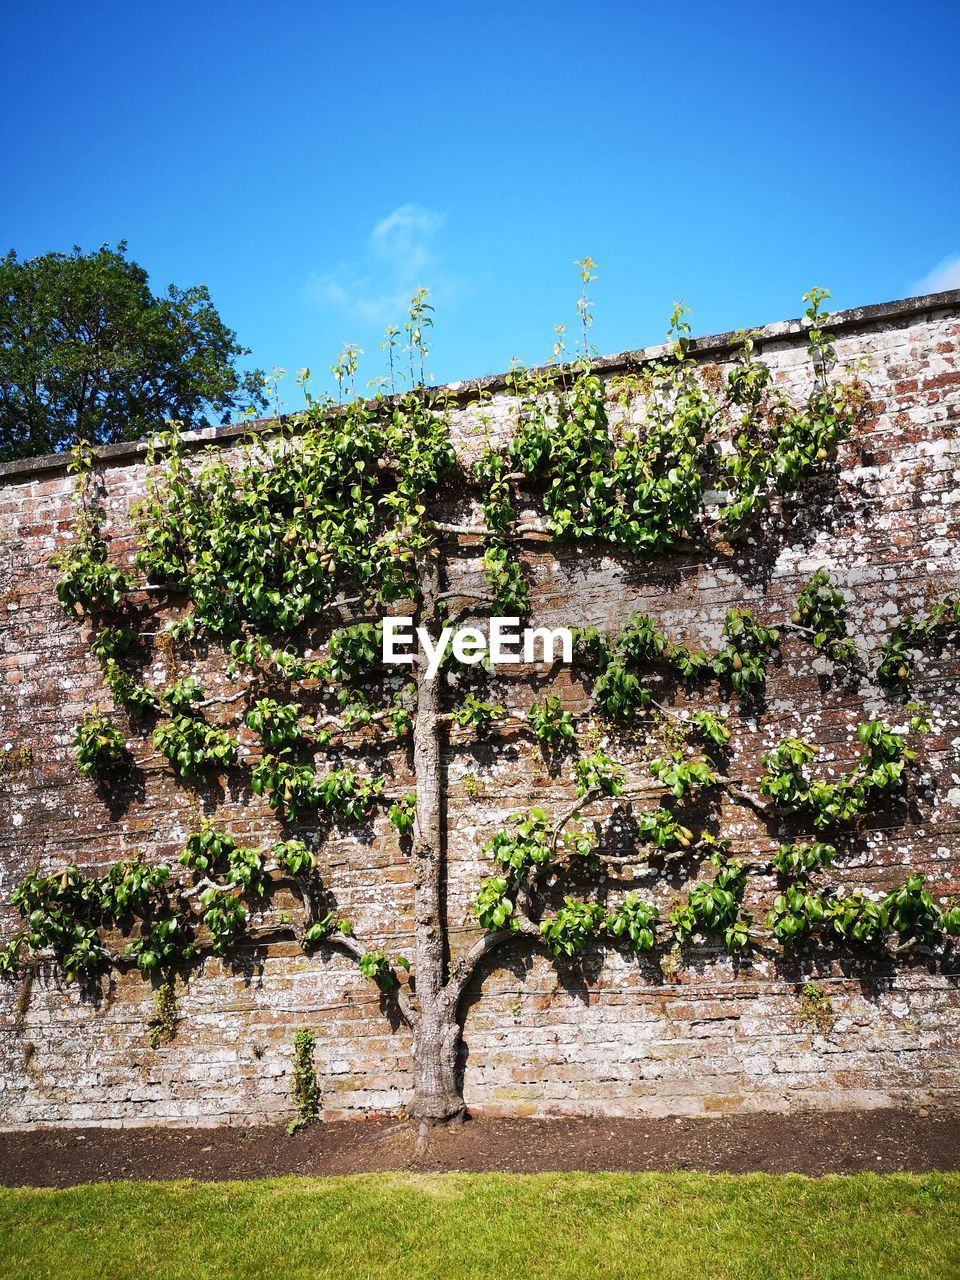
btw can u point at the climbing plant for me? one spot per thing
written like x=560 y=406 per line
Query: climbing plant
x=306 y=1091
x=281 y=555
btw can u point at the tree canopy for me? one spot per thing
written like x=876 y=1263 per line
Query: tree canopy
x=88 y=351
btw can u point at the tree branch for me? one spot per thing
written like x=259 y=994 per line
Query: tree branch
x=530 y=533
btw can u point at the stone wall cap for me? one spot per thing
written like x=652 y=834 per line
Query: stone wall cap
x=881 y=313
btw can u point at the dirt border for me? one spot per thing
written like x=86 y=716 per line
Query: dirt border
x=813 y=1143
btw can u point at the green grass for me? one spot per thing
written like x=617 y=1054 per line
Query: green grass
x=402 y=1227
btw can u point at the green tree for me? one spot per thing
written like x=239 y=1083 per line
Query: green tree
x=88 y=351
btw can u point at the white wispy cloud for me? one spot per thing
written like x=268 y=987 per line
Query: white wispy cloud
x=945 y=275
x=400 y=255
x=404 y=238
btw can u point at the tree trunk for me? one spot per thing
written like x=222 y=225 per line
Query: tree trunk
x=435 y=1033
x=436 y=1096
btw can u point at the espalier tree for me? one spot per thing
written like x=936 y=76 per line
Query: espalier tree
x=284 y=554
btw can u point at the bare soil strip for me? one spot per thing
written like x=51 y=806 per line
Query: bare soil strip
x=813 y=1143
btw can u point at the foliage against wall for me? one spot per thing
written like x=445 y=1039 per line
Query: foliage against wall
x=284 y=559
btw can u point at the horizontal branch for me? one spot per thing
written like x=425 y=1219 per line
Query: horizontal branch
x=529 y=533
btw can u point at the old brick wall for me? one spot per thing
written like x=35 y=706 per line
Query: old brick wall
x=612 y=1036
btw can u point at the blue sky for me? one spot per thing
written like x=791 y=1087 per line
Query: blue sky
x=314 y=163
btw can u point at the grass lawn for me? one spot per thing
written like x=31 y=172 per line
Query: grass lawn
x=402 y=1227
